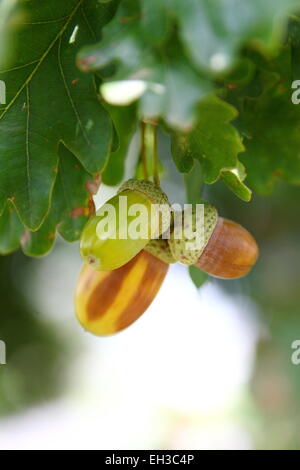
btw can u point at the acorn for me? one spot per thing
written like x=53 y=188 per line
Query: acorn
x=107 y=302
x=116 y=234
x=230 y=253
x=227 y=250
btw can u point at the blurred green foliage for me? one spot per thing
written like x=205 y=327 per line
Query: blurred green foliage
x=35 y=351
x=274 y=288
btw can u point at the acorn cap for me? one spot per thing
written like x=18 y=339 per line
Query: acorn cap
x=160 y=249
x=155 y=195
x=181 y=248
x=149 y=189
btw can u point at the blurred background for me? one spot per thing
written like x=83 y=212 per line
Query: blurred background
x=202 y=369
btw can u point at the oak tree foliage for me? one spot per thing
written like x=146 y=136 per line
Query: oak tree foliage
x=80 y=74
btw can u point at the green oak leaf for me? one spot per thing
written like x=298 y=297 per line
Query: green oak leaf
x=215 y=143
x=49 y=100
x=155 y=20
x=125 y=121
x=235 y=181
x=194 y=184
x=70 y=209
x=166 y=83
x=213 y=31
x=198 y=277
x=11 y=230
x=270 y=123
x=272 y=143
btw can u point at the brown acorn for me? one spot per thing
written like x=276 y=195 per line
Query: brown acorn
x=230 y=253
x=228 y=250
x=109 y=301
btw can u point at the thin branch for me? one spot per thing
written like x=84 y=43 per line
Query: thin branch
x=155 y=156
x=143 y=149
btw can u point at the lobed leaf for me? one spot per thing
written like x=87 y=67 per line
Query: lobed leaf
x=48 y=101
x=70 y=209
x=215 y=143
x=11 y=230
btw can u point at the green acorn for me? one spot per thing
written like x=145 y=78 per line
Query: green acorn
x=110 y=249
x=155 y=195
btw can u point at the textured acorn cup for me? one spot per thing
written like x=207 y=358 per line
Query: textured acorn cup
x=157 y=198
x=230 y=253
x=108 y=302
x=115 y=250
x=160 y=249
x=178 y=246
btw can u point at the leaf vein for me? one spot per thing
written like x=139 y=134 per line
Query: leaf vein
x=27 y=81
x=19 y=67
x=57 y=20
x=70 y=96
x=27 y=148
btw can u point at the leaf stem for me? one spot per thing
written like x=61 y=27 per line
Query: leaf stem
x=155 y=156
x=144 y=149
